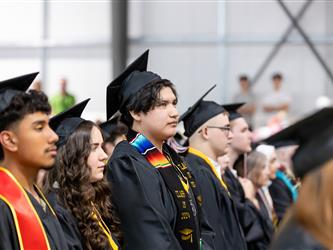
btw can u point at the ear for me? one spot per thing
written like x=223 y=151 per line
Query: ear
x=136 y=116
x=204 y=133
x=8 y=140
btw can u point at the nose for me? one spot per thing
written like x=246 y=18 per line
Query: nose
x=53 y=137
x=230 y=135
x=250 y=134
x=103 y=156
x=173 y=112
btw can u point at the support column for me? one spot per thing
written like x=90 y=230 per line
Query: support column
x=119 y=36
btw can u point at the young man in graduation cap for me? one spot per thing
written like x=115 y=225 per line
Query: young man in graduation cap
x=27 y=145
x=240 y=145
x=309 y=224
x=241 y=189
x=207 y=125
x=156 y=196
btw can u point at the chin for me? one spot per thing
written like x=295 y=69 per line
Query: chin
x=168 y=134
x=49 y=164
x=248 y=149
x=97 y=178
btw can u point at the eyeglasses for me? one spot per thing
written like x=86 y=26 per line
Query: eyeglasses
x=226 y=129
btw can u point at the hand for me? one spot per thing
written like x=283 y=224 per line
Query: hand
x=224 y=162
x=248 y=187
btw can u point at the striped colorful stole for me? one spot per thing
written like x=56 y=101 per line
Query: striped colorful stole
x=182 y=186
x=150 y=152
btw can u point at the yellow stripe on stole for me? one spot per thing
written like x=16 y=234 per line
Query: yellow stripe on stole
x=206 y=159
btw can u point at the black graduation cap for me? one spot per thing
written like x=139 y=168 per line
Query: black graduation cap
x=65 y=123
x=108 y=126
x=133 y=78
x=11 y=87
x=314 y=135
x=200 y=112
x=232 y=110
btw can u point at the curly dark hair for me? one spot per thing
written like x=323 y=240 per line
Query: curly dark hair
x=76 y=193
x=22 y=104
x=145 y=99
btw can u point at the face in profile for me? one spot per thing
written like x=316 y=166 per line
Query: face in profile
x=33 y=141
x=97 y=157
x=161 y=122
x=218 y=133
x=273 y=166
x=263 y=177
x=241 y=141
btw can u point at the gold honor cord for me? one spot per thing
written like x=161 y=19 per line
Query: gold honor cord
x=104 y=227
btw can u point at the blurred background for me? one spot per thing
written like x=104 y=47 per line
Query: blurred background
x=195 y=44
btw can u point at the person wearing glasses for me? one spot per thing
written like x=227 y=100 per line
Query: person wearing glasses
x=207 y=126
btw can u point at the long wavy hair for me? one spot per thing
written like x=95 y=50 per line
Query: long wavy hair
x=314 y=206
x=76 y=193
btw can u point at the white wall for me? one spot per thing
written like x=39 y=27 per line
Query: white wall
x=193 y=43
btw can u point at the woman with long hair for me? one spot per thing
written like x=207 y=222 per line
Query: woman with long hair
x=82 y=194
x=258 y=173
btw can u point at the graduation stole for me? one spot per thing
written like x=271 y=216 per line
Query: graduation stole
x=210 y=164
x=181 y=183
x=283 y=177
x=104 y=228
x=29 y=228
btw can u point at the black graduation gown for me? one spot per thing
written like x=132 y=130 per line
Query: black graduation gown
x=217 y=205
x=295 y=237
x=53 y=230
x=145 y=206
x=281 y=196
x=68 y=224
x=262 y=231
x=247 y=212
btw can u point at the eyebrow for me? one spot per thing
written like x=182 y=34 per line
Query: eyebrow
x=39 y=122
x=170 y=100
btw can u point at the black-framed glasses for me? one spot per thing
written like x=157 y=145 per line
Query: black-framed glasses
x=226 y=129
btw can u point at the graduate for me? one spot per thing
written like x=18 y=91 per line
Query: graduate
x=156 y=196
x=114 y=132
x=82 y=194
x=308 y=224
x=28 y=144
x=242 y=190
x=283 y=188
x=207 y=125
x=258 y=173
x=240 y=145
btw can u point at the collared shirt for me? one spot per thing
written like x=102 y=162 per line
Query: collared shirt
x=234 y=172
x=216 y=165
